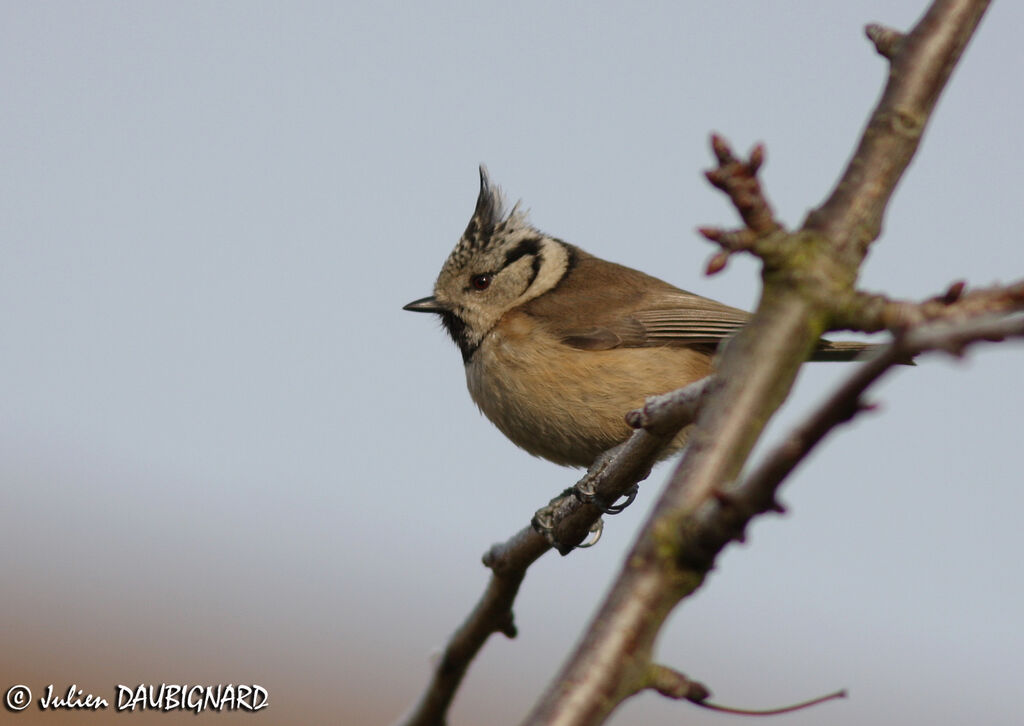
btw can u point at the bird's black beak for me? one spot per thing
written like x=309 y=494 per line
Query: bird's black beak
x=425 y=305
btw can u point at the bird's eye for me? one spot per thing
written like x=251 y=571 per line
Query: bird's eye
x=480 y=282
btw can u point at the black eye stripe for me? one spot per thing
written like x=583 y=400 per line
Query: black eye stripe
x=535 y=271
x=529 y=246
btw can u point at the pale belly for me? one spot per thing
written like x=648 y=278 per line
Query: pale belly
x=568 y=405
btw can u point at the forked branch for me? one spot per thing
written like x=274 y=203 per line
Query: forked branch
x=809 y=277
x=702 y=509
x=569 y=519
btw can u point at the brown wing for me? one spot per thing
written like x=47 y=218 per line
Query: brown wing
x=689 y=319
x=601 y=305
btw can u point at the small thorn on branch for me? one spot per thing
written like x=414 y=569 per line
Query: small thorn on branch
x=887 y=41
x=776 y=506
x=867 y=406
x=507 y=625
x=673 y=684
x=954 y=293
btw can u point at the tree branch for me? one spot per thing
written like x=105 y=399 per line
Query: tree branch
x=847 y=400
x=698 y=513
x=920 y=65
x=870 y=313
x=570 y=520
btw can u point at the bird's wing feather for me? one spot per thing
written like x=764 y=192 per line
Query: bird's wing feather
x=687 y=319
x=619 y=307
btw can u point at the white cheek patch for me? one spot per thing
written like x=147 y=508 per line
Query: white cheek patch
x=554 y=261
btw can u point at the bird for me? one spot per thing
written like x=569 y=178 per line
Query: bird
x=558 y=344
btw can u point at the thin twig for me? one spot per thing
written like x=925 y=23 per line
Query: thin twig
x=738 y=179
x=870 y=313
x=771 y=711
x=673 y=684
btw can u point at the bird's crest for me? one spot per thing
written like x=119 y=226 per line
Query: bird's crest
x=490 y=222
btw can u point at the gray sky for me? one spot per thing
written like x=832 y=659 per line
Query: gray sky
x=228 y=455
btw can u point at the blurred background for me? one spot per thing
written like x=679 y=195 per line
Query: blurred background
x=228 y=456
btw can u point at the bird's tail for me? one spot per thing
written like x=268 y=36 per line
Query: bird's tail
x=845 y=350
